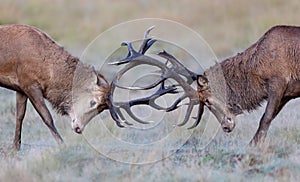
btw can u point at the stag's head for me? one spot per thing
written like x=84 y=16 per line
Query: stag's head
x=217 y=106
x=170 y=69
x=89 y=97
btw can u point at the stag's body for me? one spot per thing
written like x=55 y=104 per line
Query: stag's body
x=36 y=67
x=268 y=70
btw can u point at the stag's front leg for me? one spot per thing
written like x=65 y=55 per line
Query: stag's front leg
x=21 y=101
x=276 y=89
x=36 y=98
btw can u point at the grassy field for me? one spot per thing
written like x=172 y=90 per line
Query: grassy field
x=228 y=26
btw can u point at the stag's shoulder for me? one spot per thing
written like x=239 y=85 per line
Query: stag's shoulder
x=283 y=31
x=26 y=32
x=284 y=28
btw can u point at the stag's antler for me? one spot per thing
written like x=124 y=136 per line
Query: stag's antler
x=183 y=76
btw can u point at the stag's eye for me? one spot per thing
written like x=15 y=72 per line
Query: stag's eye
x=93 y=103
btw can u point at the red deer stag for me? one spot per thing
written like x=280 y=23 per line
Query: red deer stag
x=34 y=66
x=268 y=70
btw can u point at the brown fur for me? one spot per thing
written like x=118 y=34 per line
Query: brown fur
x=268 y=70
x=49 y=63
x=36 y=67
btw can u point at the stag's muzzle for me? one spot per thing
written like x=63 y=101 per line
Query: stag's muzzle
x=227 y=124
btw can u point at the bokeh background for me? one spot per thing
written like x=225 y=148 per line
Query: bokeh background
x=229 y=26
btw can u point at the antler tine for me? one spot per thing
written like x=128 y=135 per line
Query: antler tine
x=150 y=100
x=128 y=67
x=126 y=107
x=116 y=117
x=187 y=115
x=199 y=115
x=175 y=104
x=131 y=54
x=191 y=105
x=147 y=43
x=179 y=67
x=148 y=31
x=136 y=61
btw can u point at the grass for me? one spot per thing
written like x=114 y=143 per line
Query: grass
x=225 y=158
x=228 y=26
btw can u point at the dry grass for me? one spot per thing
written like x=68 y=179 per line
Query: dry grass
x=228 y=26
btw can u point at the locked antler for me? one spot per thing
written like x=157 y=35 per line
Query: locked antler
x=183 y=76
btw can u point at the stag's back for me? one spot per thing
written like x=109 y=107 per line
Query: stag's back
x=276 y=53
x=29 y=56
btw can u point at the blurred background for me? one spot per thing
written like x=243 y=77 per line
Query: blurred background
x=229 y=26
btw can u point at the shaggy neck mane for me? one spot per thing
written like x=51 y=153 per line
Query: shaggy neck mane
x=71 y=79
x=244 y=89
x=76 y=80
x=59 y=91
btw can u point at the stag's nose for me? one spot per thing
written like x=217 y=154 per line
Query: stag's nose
x=76 y=127
x=227 y=129
x=78 y=130
x=228 y=124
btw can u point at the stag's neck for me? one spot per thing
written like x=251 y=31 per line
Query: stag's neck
x=245 y=90
x=70 y=81
x=59 y=90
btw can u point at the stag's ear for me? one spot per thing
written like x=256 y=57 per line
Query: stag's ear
x=101 y=80
x=202 y=82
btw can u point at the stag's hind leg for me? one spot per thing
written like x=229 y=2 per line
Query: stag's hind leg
x=36 y=98
x=21 y=101
x=275 y=103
